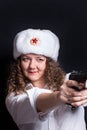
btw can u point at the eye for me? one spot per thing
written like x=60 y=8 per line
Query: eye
x=25 y=59
x=40 y=59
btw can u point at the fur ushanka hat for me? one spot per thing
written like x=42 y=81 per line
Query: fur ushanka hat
x=36 y=41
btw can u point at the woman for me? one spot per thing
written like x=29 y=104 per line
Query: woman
x=40 y=97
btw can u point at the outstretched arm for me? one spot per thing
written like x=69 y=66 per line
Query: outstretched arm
x=67 y=94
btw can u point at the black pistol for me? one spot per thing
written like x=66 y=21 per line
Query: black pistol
x=79 y=76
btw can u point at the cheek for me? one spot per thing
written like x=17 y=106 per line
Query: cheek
x=24 y=66
x=42 y=67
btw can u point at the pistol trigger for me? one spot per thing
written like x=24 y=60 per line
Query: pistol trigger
x=76 y=88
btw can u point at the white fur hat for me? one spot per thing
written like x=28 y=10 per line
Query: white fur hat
x=36 y=41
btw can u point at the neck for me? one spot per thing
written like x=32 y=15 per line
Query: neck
x=39 y=84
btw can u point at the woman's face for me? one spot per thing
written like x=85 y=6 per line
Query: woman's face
x=33 y=67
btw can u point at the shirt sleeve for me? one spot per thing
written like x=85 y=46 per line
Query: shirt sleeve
x=23 y=107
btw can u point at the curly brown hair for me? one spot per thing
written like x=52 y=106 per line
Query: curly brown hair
x=17 y=82
x=54 y=74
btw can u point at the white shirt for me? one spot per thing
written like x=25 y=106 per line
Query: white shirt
x=23 y=111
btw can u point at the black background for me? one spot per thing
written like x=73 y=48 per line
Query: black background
x=66 y=18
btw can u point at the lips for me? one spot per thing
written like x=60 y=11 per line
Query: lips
x=32 y=72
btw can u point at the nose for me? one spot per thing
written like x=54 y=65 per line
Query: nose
x=32 y=64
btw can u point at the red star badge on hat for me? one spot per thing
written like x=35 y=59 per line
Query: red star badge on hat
x=34 y=41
